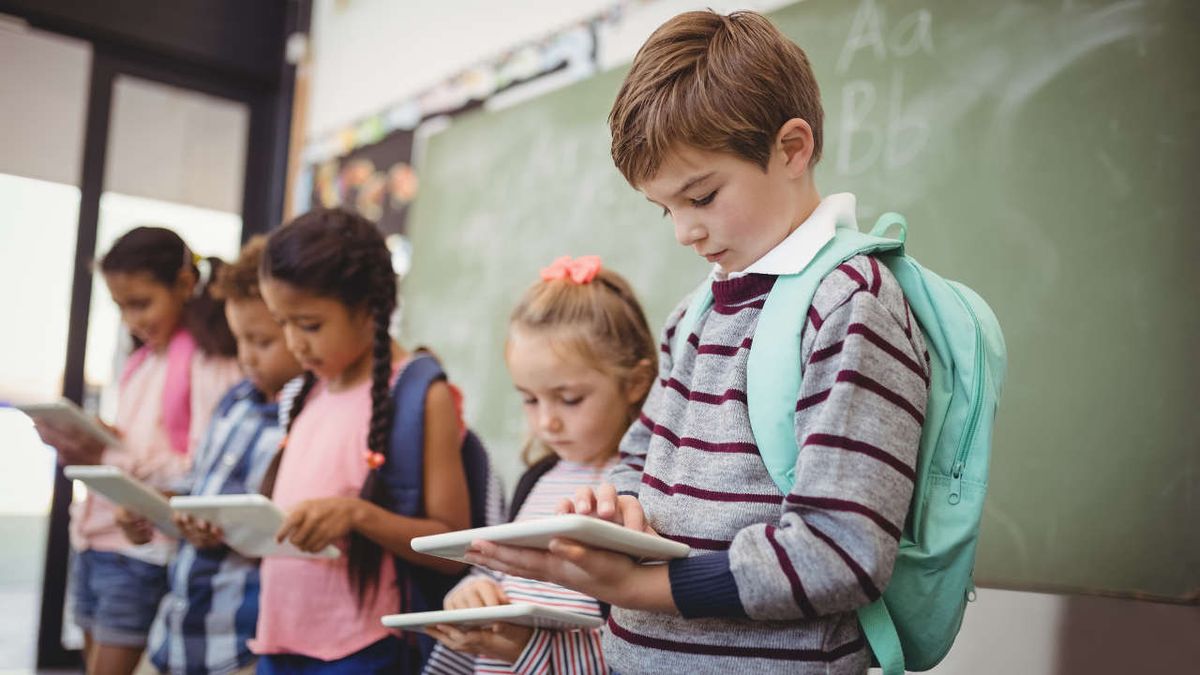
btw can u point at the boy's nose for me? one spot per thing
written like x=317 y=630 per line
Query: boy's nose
x=688 y=232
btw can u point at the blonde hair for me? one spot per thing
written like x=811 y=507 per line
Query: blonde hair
x=715 y=83
x=601 y=322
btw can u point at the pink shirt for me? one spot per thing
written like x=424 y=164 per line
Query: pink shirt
x=147 y=453
x=307 y=606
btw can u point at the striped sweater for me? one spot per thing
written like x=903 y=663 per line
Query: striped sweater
x=773 y=580
x=548 y=651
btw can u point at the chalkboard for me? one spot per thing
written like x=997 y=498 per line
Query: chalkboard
x=1046 y=154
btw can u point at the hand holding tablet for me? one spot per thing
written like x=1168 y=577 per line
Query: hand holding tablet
x=522 y=614
x=126 y=491
x=249 y=523
x=538 y=533
x=63 y=415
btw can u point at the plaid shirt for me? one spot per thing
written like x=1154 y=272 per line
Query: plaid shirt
x=211 y=608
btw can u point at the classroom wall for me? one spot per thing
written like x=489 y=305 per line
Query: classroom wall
x=363 y=51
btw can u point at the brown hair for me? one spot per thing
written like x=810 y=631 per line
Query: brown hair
x=162 y=254
x=341 y=255
x=239 y=279
x=601 y=321
x=716 y=83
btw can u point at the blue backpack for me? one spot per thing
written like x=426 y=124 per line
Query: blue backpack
x=422 y=589
x=916 y=620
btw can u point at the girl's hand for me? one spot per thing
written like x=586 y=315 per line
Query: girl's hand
x=502 y=641
x=74 y=447
x=606 y=504
x=199 y=532
x=317 y=523
x=136 y=529
x=481 y=592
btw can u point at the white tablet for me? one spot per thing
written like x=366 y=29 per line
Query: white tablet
x=64 y=414
x=122 y=489
x=249 y=523
x=524 y=614
x=537 y=533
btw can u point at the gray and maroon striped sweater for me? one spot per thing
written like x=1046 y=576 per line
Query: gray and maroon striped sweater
x=773 y=580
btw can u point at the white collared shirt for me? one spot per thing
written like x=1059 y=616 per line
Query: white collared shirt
x=791 y=255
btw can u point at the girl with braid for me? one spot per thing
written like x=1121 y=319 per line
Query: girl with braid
x=327 y=279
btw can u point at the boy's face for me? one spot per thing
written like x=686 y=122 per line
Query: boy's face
x=728 y=210
x=262 y=350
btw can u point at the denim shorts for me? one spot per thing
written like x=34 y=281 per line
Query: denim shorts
x=116 y=597
x=386 y=656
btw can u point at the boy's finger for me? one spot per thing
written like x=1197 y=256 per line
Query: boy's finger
x=565 y=505
x=584 y=501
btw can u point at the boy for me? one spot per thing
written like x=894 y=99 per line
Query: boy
x=211 y=607
x=719 y=124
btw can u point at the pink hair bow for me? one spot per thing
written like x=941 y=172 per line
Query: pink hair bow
x=580 y=270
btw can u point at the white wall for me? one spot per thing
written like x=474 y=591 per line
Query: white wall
x=368 y=54
x=372 y=53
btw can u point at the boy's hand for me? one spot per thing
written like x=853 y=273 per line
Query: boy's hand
x=317 y=523
x=199 y=532
x=136 y=529
x=606 y=504
x=607 y=576
x=502 y=641
x=481 y=592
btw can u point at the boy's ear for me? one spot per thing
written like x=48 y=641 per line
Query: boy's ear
x=639 y=381
x=795 y=140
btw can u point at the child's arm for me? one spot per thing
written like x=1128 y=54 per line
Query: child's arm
x=859 y=416
x=314 y=524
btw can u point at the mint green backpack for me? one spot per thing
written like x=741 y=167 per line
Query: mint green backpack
x=913 y=625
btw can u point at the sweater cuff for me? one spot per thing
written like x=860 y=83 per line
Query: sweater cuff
x=703 y=586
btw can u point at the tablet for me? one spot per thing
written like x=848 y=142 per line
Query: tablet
x=64 y=414
x=523 y=614
x=537 y=533
x=122 y=489
x=249 y=523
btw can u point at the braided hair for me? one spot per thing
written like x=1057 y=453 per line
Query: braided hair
x=340 y=255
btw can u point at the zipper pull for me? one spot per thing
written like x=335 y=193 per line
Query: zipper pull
x=956 y=483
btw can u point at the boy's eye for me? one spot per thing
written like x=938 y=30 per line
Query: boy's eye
x=705 y=200
x=572 y=401
x=666 y=212
x=529 y=401
x=309 y=327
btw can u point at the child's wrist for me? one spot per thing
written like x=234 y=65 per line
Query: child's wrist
x=648 y=589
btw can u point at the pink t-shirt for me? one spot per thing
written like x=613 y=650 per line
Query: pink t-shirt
x=147 y=452
x=307 y=606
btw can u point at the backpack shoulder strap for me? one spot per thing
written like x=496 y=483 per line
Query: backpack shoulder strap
x=404 y=471
x=528 y=480
x=702 y=299
x=773 y=368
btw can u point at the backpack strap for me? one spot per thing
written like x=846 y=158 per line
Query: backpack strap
x=528 y=480
x=404 y=471
x=773 y=368
x=880 y=631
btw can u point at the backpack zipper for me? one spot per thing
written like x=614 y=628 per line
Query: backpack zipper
x=960 y=458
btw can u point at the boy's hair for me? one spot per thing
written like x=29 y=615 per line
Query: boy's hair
x=340 y=255
x=162 y=254
x=239 y=279
x=715 y=83
x=601 y=322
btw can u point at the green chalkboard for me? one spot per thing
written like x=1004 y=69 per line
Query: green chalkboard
x=1046 y=153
